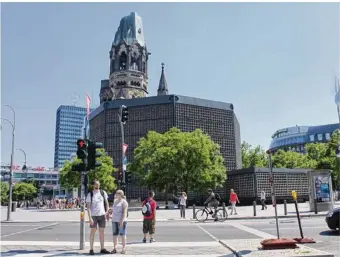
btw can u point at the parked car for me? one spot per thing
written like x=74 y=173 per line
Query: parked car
x=333 y=219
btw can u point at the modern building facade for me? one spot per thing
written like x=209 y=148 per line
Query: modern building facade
x=69 y=126
x=295 y=138
x=47 y=177
x=127 y=85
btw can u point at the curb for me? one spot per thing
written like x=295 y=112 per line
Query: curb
x=279 y=217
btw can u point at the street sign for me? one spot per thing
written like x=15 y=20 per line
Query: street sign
x=124 y=160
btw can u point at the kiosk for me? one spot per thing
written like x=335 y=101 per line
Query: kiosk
x=320 y=193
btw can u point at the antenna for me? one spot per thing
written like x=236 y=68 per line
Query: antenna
x=74 y=98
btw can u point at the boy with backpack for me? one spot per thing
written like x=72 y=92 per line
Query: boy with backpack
x=149 y=212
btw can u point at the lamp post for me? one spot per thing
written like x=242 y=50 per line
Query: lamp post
x=24 y=168
x=9 y=209
x=337 y=102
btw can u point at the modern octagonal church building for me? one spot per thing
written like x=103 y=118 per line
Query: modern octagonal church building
x=128 y=85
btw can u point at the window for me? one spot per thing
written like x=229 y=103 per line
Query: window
x=328 y=136
x=311 y=138
x=319 y=137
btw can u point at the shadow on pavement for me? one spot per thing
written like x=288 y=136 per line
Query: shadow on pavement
x=54 y=253
x=16 y=252
x=330 y=233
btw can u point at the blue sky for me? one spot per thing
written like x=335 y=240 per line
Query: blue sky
x=275 y=62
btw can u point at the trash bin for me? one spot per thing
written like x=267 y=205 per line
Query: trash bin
x=14 y=206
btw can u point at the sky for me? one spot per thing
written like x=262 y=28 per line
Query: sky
x=275 y=62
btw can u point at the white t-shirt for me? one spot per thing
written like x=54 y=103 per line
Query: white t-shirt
x=117 y=210
x=263 y=195
x=97 y=206
x=182 y=200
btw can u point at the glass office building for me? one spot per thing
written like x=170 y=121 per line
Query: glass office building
x=295 y=138
x=69 y=128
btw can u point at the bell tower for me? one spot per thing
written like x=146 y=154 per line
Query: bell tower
x=128 y=62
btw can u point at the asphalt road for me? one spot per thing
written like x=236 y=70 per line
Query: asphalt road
x=186 y=232
x=165 y=232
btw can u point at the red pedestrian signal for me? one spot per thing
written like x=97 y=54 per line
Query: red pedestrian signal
x=81 y=143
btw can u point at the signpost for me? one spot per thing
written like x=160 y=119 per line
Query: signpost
x=271 y=181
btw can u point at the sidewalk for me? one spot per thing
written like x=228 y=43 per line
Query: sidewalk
x=244 y=212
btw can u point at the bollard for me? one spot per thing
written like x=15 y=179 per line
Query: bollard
x=224 y=211
x=316 y=206
x=254 y=205
x=298 y=217
x=193 y=212
x=285 y=207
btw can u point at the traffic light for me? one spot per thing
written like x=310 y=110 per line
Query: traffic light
x=93 y=154
x=123 y=113
x=120 y=176
x=82 y=149
x=79 y=167
x=128 y=177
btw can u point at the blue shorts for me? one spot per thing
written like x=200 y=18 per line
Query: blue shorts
x=116 y=230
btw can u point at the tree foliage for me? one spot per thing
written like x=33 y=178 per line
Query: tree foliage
x=104 y=174
x=4 y=187
x=253 y=156
x=178 y=160
x=317 y=156
x=24 y=191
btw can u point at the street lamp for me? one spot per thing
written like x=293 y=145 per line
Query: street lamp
x=9 y=209
x=337 y=102
x=24 y=168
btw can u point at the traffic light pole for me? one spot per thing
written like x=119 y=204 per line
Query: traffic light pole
x=82 y=211
x=123 y=154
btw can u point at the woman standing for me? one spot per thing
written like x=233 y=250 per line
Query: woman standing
x=182 y=204
x=233 y=199
x=119 y=219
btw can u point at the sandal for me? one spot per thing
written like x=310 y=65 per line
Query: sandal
x=123 y=252
x=114 y=251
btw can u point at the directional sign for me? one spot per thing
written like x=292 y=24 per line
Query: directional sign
x=124 y=160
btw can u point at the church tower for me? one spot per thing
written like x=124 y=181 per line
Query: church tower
x=163 y=86
x=128 y=62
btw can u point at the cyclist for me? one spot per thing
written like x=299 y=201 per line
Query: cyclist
x=213 y=201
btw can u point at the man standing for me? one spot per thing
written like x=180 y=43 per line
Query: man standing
x=97 y=210
x=149 y=212
x=263 y=200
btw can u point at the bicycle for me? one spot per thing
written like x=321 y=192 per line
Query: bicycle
x=203 y=214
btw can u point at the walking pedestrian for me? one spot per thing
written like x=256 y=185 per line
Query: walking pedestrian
x=263 y=200
x=97 y=210
x=119 y=220
x=233 y=199
x=182 y=204
x=149 y=212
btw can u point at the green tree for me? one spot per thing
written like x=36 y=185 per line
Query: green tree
x=33 y=182
x=4 y=187
x=72 y=179
x=24 y=191
x=292 y=160
x=178 y=160
x=253 y=156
